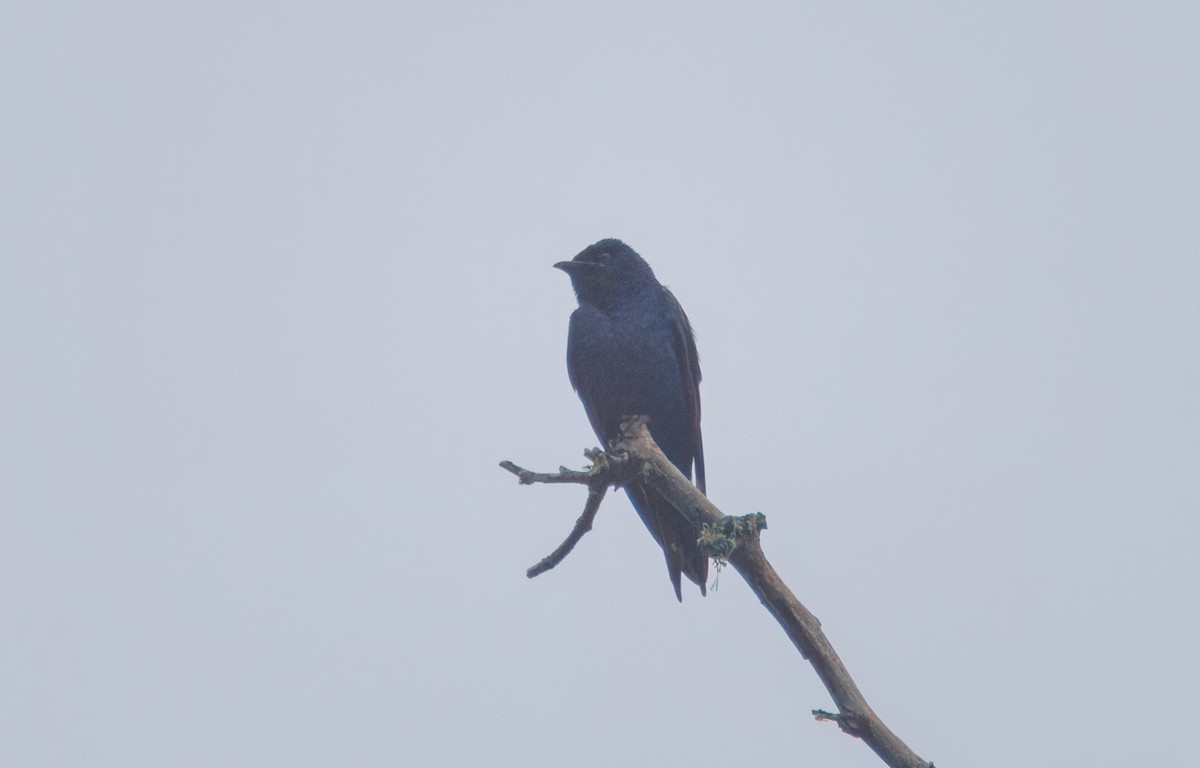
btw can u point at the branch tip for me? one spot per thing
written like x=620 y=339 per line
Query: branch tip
x=596 y=493
x=563 y=475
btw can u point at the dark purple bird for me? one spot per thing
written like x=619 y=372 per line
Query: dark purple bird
x=631 y=352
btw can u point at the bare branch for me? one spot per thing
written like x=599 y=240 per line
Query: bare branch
x=855 y=716
x=736 y=540
x=584 y=524
x=597 y=478
x=563 y=475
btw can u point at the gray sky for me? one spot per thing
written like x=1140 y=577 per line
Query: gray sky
x=276 y=297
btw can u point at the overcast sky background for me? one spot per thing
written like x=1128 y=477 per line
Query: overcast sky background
x=276 y=296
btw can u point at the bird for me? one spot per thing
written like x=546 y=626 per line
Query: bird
x=631 y=352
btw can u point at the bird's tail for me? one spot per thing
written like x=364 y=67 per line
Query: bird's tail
x=674 y=534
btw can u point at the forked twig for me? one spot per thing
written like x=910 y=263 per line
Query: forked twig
x=597 y=479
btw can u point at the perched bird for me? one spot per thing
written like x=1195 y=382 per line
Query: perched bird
x=631 y=352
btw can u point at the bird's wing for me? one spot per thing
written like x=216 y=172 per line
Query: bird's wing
x=684 y=341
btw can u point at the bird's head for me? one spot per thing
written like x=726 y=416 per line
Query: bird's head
x=607 y=273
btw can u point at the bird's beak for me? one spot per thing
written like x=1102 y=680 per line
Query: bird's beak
x=576 y=267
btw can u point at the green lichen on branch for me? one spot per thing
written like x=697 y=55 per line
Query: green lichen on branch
x=720 y=539
x=599 y=461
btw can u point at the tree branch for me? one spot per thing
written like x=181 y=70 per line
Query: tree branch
x=582 y=526
x=636 y=456
x=597 y=480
